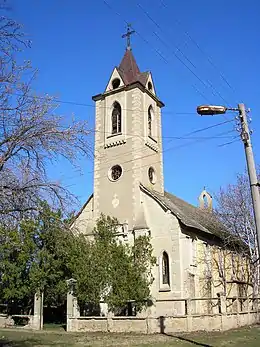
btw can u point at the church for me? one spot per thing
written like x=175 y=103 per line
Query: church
x=192 y=260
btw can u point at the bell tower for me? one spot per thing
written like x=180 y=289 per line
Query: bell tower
x=128 y=141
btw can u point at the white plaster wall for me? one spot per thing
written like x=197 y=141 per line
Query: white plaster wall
x=165 y=236
x=152 y=148
x=114 y=75
x=121 y=199
x=85 y=221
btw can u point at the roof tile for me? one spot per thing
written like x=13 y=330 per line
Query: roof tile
x=130 y=71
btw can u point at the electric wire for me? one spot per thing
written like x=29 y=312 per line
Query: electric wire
x=152 y=163
x=179 y=50
x=166 y=149
x=144 y=39
x=102 y=107
x=130 y=135
x=170 y=148
x=209 y=59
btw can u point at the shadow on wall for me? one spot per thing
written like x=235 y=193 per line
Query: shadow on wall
x=182 y=338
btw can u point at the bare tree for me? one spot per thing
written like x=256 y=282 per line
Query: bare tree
x=235 y=210
x=32 y=136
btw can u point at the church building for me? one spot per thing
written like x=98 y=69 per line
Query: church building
x=188 y=242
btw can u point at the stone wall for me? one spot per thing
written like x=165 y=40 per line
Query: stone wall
x=4 y=320
x=109 y=324
x=150 y=325
x=220 y=319
x=8 y=321
x=34 y=321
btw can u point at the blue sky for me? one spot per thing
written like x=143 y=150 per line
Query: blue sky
x=76 y=44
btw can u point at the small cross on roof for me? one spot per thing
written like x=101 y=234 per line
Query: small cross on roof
x=127 y=35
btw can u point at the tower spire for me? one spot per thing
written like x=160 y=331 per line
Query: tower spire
x=127 y=35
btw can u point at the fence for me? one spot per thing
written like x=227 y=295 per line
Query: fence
x=184 y=315
x=209 y=314
x=31 y=321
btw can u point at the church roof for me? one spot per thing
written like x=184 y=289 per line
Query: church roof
x=191 y=216
x=129 y=70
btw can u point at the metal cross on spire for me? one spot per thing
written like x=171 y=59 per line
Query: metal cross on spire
x=128 y=35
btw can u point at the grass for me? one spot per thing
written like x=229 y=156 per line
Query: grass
x=249 y=337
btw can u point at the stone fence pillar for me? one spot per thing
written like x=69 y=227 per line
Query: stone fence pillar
x=188 y=311
x=150 y=314
x=223 y=304
x=72 y=304
x=110 y=316
x=37 y=323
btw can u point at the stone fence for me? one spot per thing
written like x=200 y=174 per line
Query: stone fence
x=34 y=321
x=208 y=314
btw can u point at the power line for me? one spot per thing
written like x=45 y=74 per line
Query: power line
x=159 y=27
x=147 y=42
x=236 y=139
x=149 y=164
x=173 y=137
x=209 y=59
x=218 y=136
x=163 y=137
x=166 y=150
x=103 y=107
x=209 y=127
x=176 y=55
x=201 y=94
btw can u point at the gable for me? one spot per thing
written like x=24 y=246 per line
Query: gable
x=157 y=218
x=112 y=83
x=84 y=221
x=149 y=84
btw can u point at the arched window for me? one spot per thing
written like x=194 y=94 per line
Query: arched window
x=150 y=86
x=150 y=120
x=165 y=269
x=116 y=118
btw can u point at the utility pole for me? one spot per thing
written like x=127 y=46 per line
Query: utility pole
x=205 y=110
x=254 y=185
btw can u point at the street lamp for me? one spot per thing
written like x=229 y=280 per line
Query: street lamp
x=205 y=110
x=210 y=110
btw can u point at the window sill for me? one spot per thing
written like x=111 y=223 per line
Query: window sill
x=151 y=138
x=113 y=135
x=166 y=289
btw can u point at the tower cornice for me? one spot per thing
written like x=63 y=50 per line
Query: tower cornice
x=131 y=86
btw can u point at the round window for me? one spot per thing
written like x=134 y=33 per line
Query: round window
x=115 y=83
x=151 y=175
x=115 y=172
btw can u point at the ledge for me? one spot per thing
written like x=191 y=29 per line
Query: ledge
x=130 y=86
x=152 y=146
x=151 y=138
x=111 y=317
x=128 y=317
x=115 y=143
x=165 y=289
x=90 y=317
x=113 y=135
